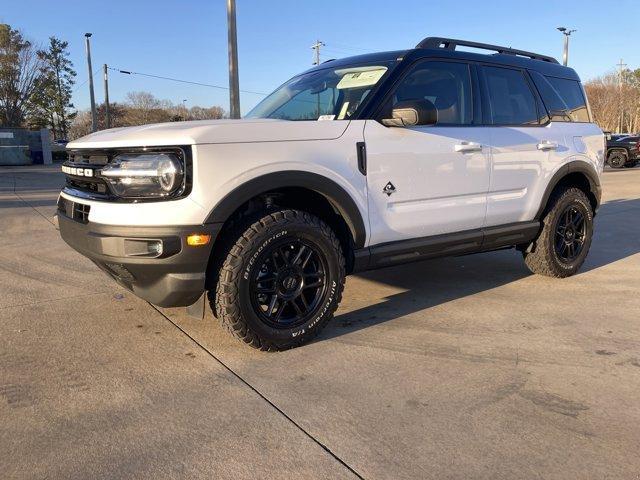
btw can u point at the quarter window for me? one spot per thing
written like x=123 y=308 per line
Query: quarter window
x=563 y=98
x=511 y=101
x=445 y=84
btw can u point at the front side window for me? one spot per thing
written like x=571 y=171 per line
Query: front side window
x=511 y=101
x=447 y=85
x=327 y=94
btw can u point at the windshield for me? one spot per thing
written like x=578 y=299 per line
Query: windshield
x=327 y=94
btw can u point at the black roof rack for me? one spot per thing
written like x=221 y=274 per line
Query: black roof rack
x=452 y=43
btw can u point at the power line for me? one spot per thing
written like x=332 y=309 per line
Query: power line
x=83 y=83
x=129 y=72
x=342 y=46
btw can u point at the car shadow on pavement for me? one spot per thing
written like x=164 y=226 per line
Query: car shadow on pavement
x=428 y=284
x=617 y=233
x=435 y=282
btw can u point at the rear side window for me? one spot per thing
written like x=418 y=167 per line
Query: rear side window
x=511 y=101
x=563 y=98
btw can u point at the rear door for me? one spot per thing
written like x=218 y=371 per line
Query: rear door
x=429 y=180
x=522 y=147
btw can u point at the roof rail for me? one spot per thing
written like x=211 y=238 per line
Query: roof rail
x=452 y=43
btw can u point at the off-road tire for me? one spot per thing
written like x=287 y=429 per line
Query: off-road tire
x=617 y=159
x=232 y=301
x=542 y=258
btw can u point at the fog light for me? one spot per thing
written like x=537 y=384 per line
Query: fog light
x=198 y=239
x=155 y=247
x=137 y=247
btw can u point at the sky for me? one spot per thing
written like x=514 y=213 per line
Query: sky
x=188 y=39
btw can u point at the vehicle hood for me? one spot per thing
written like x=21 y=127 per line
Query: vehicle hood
x=212 y=131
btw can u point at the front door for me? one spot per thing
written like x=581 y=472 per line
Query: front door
x=429 y=180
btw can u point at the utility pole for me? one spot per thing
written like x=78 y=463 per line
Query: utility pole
x=107 y=114
x=316 y=47
x=567 y=33
x=234 y=83
x=621 y=67
x=94 y=117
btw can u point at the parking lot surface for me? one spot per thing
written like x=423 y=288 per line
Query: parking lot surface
x=466 y=367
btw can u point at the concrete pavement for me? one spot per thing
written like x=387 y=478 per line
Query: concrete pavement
x=455 y=368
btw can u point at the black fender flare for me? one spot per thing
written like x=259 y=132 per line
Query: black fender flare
x=334 y=193
x=576 y=166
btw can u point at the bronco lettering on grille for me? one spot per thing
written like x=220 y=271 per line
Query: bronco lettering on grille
x=77 y=171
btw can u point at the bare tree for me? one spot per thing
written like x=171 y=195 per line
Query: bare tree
x=20 y=70
x=143 y=108
x=615 y=104
x=205 y=113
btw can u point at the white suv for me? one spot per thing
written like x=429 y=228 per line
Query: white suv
x=356 y=164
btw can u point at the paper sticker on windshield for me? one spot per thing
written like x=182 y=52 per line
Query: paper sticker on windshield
x=361 y=79
x=326 y=117
x=343 y=111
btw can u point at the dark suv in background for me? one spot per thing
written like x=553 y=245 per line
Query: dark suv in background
x=623 y=151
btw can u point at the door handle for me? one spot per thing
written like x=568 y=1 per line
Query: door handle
x=466 y=147
x=547 y=145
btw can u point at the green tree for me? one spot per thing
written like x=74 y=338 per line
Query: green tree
x=52 y=100
x=19 y=76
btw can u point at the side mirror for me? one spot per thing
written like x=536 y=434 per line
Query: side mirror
x=411 y=113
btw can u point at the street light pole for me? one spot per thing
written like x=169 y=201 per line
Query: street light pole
x=567 y=33
x=234 y=83
x=94 y=117
x=107 y=114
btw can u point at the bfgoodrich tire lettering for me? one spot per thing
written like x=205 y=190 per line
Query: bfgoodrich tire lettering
x=281 y=281
x=564 y=241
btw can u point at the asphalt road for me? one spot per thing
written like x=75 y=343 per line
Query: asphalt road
x=457 y=368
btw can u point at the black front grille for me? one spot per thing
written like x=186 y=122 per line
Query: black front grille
x=89 y=158
x=96 y=186
x=88 y=162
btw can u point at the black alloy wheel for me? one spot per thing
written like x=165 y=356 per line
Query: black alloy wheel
x=288 y=283
x=570 y=234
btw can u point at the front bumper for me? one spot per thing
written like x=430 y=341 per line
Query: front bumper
x=174 y=278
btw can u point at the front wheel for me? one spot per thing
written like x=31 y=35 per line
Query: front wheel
x=565 y=238
x=281 y=281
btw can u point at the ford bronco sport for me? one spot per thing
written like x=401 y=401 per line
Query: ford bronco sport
x=356 y=164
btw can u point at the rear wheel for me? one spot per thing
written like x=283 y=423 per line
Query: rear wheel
x=617 y=159
x=565 y=238
x=281 y=281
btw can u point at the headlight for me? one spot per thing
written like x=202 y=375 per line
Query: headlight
x=144 y=175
